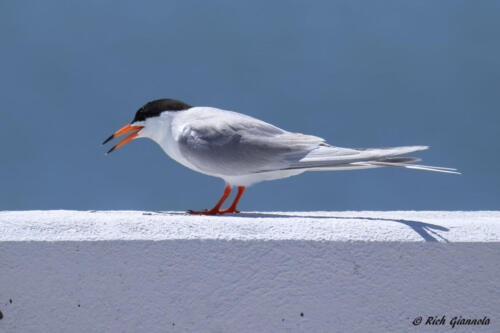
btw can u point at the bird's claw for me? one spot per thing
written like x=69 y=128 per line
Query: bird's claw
x=229 y=211
x=213 y=212
x=203 y=212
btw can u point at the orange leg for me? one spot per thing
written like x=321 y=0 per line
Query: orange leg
x=232 y=209
x=216 y=209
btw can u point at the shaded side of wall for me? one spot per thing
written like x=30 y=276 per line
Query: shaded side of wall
x=244 y=286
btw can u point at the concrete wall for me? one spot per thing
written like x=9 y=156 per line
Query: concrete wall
x=64 y=271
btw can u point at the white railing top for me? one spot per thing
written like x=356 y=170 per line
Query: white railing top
x=342 y=226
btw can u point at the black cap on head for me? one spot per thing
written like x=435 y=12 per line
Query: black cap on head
x=156 y=107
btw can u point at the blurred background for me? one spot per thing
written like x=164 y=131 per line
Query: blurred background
x=357 y=73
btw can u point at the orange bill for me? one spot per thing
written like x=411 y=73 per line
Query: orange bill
x=124 y=130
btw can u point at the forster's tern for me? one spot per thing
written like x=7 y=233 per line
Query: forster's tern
x=243 y=150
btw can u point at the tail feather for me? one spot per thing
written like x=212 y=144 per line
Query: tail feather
x=401 y=160
x=335 y=158
x=327 y=156
x=409 y=166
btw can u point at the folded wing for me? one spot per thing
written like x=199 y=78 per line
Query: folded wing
x=229 y=143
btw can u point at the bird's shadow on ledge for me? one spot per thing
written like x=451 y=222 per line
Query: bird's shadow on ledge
x=426 y=230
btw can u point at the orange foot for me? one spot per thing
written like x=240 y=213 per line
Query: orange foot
x=230 y=211
x=212 y=211
x=203 y=212
x=216 y=210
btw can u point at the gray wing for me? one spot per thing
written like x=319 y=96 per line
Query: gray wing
x=221 y=142
x=235 y=144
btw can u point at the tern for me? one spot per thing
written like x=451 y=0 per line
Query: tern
x=243 y=150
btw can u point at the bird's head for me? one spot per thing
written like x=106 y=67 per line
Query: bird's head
x=144 y=120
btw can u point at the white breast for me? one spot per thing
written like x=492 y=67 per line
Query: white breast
x=167 y=129
x=164 y=130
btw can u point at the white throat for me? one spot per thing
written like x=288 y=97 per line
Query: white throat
x=162 y=130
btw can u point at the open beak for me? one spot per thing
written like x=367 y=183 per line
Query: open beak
x=124 y=130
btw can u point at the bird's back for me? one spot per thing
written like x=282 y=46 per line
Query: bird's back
x=220 y=142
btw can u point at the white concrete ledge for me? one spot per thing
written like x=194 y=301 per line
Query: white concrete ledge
x=128 y=271
x=399 y=226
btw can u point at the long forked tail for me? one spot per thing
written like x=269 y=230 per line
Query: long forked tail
x=334 y=158
x=407 y=165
